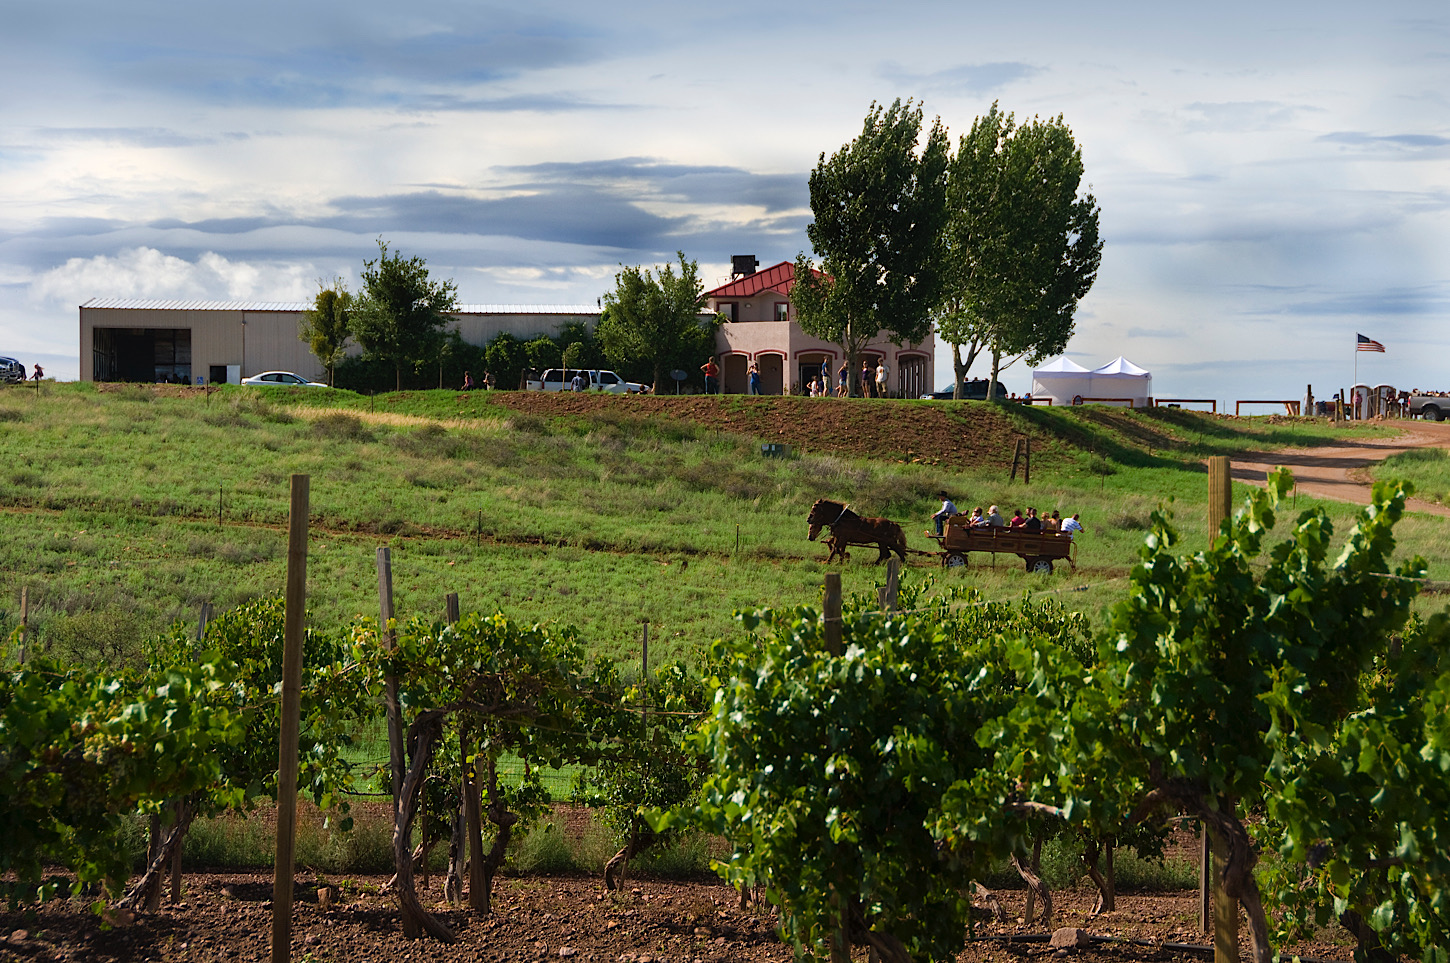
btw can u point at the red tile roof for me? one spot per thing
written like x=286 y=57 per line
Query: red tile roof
x=778 y=277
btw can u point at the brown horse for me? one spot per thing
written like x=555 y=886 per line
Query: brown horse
x=848 y=528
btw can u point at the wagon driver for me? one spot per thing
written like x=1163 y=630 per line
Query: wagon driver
x=947 y=511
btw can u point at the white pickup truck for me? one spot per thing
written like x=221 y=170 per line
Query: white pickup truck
x=595 y=379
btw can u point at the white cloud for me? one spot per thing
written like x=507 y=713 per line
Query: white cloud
x=145 y=272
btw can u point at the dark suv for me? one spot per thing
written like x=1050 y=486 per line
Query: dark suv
x=974 y=390
x=11 y=371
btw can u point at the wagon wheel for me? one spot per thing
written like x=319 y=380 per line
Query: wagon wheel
x=953 y=560
x=1037 y=564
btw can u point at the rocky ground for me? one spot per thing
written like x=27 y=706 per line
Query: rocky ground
x=226 y=918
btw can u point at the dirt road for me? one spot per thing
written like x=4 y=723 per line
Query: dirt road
x=1342 y=471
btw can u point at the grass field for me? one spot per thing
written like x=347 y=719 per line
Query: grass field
x=124 y=509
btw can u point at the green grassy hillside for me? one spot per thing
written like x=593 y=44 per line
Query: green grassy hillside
x=124 y=509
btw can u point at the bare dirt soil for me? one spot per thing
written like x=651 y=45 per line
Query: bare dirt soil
x=226 y=917
x=964 y=434
x=1341 y=472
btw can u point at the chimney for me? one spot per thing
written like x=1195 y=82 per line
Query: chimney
x=742 y=265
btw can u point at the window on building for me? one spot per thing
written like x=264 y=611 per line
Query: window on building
x=782 y=311
x=731 y=310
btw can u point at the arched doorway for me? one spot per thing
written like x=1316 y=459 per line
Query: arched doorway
x=772 y=373
x=913 y=376
x=733 y=374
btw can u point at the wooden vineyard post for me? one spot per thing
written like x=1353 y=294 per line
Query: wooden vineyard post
x=1026 y=461
x=840 y=946
x=24 y=620
x=1220 y=494
x=1016 y=459
x=644 y=674
x=832 y=610
x=294 y=619
x=886 y=595
x=387 y=638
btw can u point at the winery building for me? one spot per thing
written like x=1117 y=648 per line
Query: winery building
x=222 y=342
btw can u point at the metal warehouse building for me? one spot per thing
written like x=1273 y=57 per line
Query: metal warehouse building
x=222 y=342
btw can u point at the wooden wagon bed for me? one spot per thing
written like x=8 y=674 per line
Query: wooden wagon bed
x=1037 y=549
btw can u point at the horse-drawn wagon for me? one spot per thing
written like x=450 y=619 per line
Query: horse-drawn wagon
x=1037 y=549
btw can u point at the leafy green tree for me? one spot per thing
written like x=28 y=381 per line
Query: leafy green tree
x=1022 y=247
x=80 y=751
x=327 y=325
x=861 y=789
x=654 y=320
x=879 y=207
x=506 y=360
x=401 y=313
x=511 y=688
x=1217 y=666
x=543 y=352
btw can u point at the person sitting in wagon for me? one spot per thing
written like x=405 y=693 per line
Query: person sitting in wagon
x=1072 y=526
x=977 y=520
x=1017 y=519
x=994 y=519
x=947 y=511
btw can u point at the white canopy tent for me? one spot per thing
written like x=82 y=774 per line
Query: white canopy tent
x=1064 y=380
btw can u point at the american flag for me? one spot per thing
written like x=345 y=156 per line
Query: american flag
x=1368 y=344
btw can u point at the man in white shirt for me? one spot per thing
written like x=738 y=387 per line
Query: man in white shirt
x=947 y=511
x=1072 y=526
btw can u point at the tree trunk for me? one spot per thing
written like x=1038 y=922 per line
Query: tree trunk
x=640 y=839
x=499 y=815
x=1370 y=947
x=993 y=903
x=477 y=887
x=416 y=920
x=1090 y=855
x=1037 y=887
x=148 y=887
x=996 y=372
x=453 y=882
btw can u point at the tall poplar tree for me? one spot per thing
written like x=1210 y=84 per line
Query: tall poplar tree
x=1022 y=247
x=879 y=205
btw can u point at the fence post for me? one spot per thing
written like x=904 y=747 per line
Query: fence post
x=644 y=674
x=24 y=620
x=1027 y=460
x=387 y=638
x=287 y=763
x=1220 y=494
x=832 y=609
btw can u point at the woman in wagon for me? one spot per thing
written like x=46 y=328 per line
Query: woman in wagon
x=1017 y=519
x=947 y=511
x=978 y=520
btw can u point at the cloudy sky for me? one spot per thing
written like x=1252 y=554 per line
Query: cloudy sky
x=1273 y=177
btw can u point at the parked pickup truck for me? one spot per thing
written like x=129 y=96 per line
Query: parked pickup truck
x=595 y=379
x=1429 y=407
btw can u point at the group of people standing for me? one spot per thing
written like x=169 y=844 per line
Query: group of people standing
x=1029 y=522
x=874 y=382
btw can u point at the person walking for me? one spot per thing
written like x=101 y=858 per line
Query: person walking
x=712 y=376
x=843 y=387
x=754 y=378
x=881 y=376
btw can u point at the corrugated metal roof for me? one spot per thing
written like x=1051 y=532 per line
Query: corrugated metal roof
x=146 y=304
x=526 y=309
